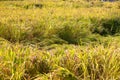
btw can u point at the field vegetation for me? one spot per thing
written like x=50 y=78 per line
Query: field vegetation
x=59 y=40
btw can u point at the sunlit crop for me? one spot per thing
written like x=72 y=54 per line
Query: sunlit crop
x=59 y=40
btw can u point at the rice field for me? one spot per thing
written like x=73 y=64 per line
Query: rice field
x=59 y=40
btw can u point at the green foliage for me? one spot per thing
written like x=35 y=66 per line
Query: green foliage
x=11 y=33
x=108 y=26
x=33 y=6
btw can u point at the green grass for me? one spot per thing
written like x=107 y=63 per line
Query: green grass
x=59 y=40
